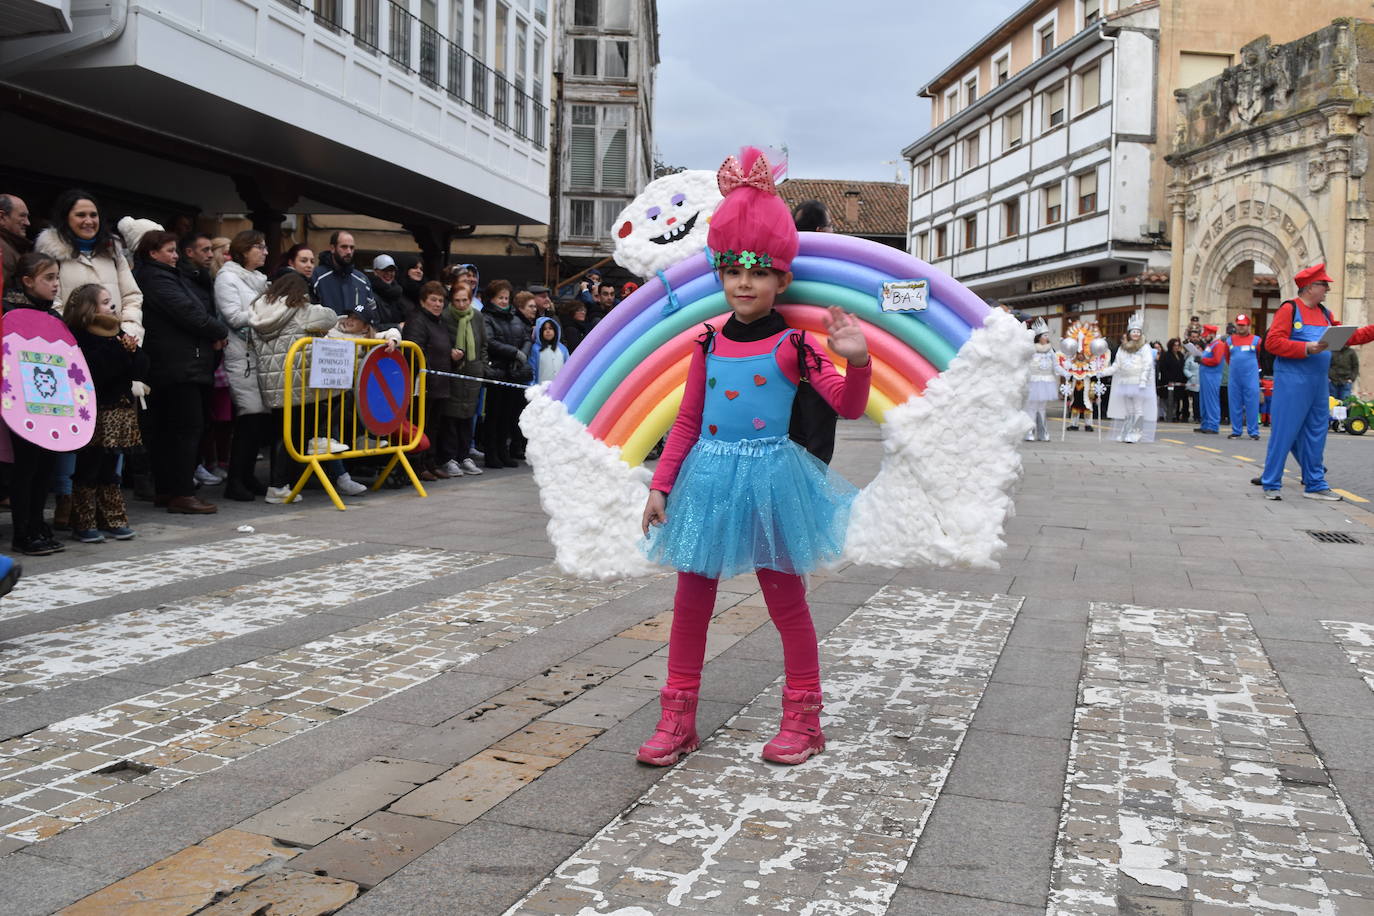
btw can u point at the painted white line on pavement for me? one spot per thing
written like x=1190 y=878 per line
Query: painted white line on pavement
x=84 y=767
x=724 y=832
x=1357 y=639
x=1191 y=777
x=66 y=655
x=65 y=587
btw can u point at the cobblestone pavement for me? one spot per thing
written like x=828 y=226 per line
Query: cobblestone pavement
x=1161 y=703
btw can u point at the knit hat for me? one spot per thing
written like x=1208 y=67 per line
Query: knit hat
x=753 y=226
x=132 y=230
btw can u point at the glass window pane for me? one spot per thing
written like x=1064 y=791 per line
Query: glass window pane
x=617 y=60
x=615 y=14
x=584 y=114
x=585 y=13
x=582 y=219
x=584 y=57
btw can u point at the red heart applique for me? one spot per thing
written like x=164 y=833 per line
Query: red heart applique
x=732 y=394
x=712 y=428
x=760 y=380
x=759 y=424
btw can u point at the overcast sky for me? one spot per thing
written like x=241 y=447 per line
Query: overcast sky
x=834 y=82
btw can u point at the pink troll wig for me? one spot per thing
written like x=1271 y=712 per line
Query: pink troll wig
x=753 y=226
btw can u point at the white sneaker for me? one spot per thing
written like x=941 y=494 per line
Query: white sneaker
x=1324 y=495
x=278 y=495
x=207 y=478
x=453 y=468
x=348 y=486
x=366 y=442
x=470 y=467
x=322 y=446
x=474 y=452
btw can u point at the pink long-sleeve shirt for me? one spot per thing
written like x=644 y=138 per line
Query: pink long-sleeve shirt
x=848 y=394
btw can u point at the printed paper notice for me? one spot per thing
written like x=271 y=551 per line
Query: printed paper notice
x=331 y=363
x=905 y=295
x=1337 y=336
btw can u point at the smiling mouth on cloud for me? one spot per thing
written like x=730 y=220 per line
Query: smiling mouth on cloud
x=677 y=232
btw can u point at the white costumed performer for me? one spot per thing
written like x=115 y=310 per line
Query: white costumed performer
x=1044 y=383
x=1134 y=402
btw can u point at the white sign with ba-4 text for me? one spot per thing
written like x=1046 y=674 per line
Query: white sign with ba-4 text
x=331 y=363
x=905 y=295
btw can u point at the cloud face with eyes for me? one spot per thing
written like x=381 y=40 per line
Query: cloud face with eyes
x=666 y=223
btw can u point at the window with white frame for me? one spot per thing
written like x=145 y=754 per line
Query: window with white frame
x=951 y=103
x=1054 y=203
x=607 y=211
x=1001 y=69
x=1011 y=218
x=942 y=167
x=541 y=11
x=479 y=31
x=970 y=91
x=941 y=241
x=615 y=14
x=1092 y=11
x=1089 y=88
x=1044 y=39
x=457 y=19
x=923 y=246
x=502 y=20
x=1011 y=129
x=971 y=152
x=586 y=13
x=614 y=147
x=923 y=177
x=970 y=231
x=1087 y=193
x=1052 y=106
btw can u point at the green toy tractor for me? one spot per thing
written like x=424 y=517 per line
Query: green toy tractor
x=1359 y=415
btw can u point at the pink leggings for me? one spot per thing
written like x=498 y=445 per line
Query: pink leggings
x=785 y=596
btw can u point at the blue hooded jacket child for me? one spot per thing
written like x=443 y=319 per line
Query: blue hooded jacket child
x=553 y=356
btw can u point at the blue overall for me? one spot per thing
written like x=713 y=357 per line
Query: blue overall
x=1242 y=394
x=1209 y=377
x=1299 y=414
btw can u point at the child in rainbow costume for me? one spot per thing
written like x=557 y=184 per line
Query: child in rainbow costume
x=732 y=493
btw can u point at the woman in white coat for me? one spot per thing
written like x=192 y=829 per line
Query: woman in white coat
x=88 y=251
x=237 y=284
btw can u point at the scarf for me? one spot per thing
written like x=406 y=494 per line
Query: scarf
x=1131 y=346
x=463 y=338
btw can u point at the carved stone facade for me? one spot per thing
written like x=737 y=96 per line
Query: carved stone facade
x=1270 y=175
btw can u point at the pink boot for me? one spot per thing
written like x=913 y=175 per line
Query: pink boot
x=676 y=734
x=800 y=734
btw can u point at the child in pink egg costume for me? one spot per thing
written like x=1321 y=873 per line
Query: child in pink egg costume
x=732 y=493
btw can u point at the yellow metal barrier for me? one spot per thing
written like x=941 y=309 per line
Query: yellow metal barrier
x=329 y=413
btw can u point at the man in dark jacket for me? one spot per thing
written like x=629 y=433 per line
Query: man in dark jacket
x=14 y=239
x=183 y=342
x=197 y=254
x=339 y=285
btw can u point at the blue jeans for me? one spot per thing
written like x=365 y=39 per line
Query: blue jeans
x=1340 y=390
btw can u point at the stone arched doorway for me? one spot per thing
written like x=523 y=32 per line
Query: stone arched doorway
x=1226 y=280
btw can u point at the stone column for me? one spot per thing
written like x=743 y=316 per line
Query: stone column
x=1336 y=158
x=1178 y=198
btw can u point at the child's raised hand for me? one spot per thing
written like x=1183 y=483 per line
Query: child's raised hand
x=846 y=336
x=655 y=511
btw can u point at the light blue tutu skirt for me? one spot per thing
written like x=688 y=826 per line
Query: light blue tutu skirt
x=752 y=504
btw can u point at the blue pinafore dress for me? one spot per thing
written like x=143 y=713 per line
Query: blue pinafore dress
x=747 y=496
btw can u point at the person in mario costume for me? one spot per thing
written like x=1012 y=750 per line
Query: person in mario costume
x=1210 y=367
x=1299 y=414
x=1242 y=351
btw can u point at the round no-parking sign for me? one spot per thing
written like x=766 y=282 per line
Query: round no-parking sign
x=383 y=390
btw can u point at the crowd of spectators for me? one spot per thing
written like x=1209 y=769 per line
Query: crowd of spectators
x=187 y=339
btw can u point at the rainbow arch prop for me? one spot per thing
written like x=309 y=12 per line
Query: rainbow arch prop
x=624 y=382
x=947 y=387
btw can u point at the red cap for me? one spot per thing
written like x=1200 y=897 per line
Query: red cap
x=1242 y=319
x=1314 y=274
x=1210 y=328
